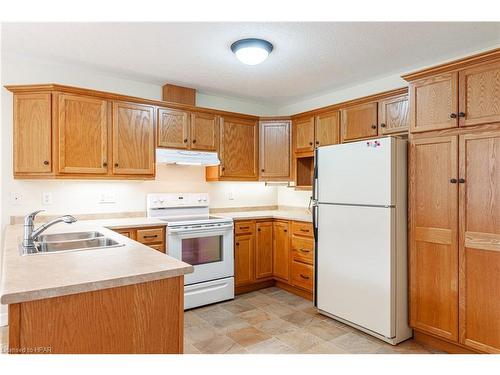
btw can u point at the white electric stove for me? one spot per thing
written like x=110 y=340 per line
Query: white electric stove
x=202 y=240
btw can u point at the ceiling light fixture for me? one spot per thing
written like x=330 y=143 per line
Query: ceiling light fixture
x=251 y=51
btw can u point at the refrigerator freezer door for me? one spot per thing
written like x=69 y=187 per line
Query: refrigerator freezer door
x=355 y=267
x=357 y=173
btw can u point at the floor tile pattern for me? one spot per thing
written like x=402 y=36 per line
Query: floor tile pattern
x=274 y=321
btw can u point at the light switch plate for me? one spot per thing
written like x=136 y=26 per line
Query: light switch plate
x=107 y=198
x=47 y=198
x=15 y=199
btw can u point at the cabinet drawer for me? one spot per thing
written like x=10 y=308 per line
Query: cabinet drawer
x=303 y=249
x=241 y=227
x=300 y=228
x=160 y=247
x=153 y=235
x=302 y=275
x=130 y=233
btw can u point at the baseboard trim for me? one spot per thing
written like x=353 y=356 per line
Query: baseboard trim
x=433 y=342
x=4 y=319
x=299 y=292
x=253 y=287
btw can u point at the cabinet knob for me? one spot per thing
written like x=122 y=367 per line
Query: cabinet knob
x=116 y=164
x=262 y=170
x=461 y=114
x=453 y=115
x=317 y=142
x=258 y=229
x=223 y=168
x=310 y=143
x=374 y=126
x=461 y=180
x=237 y=244
x=453 y=180
x=186 y=141
x=285 y=230
x=382 y=125
x=194 y=140
x=45 y=162
x=104 y=164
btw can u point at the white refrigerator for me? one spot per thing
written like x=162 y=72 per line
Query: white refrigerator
x=360 y=221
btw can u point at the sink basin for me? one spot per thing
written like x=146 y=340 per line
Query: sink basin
x=75 y=241
x=69 y=236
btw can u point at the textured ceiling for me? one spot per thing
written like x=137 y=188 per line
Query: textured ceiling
x=308 y=58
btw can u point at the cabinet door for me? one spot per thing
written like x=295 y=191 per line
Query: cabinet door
x=244 y=260
x=303 y=134
x=359 y=122
x=393 y=115
x=32 y=133
x=433 y=236
x=83 y=134
x=433 y=103
x=133 y=139
x=239 y=148
x=479 y=89
x=327 y=129
x=173 y=128
x=204 y=131
x=264 y=250
x=281 y=253
x=274 y=149
x=480 y=241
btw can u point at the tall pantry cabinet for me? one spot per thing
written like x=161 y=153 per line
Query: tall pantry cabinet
x=454 y=193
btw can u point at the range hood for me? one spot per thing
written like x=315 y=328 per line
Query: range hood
x=183 y=157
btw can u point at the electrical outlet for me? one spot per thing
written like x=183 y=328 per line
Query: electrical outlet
x=47 y=198
x=16 y=199
x=231 y=195
x=107 y=198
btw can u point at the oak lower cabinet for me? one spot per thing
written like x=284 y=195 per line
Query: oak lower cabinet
x=455 y=237
x=264 y=250
x=154 y=237
x=264 y=256
x=133 y=139
x=281 y=250
x=274 y=149
x=359 y=121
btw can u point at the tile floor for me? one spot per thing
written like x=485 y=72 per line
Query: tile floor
x=272 y=321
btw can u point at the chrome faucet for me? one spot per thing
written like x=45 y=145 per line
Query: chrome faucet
x=31 y=234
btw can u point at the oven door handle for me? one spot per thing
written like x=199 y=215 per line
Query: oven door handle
x=210 y=229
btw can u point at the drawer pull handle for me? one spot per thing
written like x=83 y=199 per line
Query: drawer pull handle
x=244 y=227
x=304 y=230
x=304 y=277
x=151 y=236
x=304 y=250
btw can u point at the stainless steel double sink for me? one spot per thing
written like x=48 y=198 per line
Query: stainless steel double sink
x=72 y=241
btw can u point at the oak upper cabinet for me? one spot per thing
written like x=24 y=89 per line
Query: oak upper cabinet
x=133 y=139
x=239 y=143
x=479 y=94
x=303 y=134
x=480 y=240
x=204 y=131
x=83 y=132
x=434 y=103
x=433 y=245
x=264 y=250
x=173 y=128
x=327 y=129
x=274 y=150
x=359 y=121
x=281 y=253
x=32 y=134
x=393 y=115
x=244 y=259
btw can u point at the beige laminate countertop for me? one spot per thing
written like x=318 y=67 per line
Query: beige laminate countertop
x=298 y=215
x=26 y=278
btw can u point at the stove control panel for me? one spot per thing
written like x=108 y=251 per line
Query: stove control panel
x=172 y=200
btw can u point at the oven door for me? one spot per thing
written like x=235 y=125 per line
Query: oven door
x=209 y=248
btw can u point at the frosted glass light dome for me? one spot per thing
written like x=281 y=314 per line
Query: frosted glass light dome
x=251 y=51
